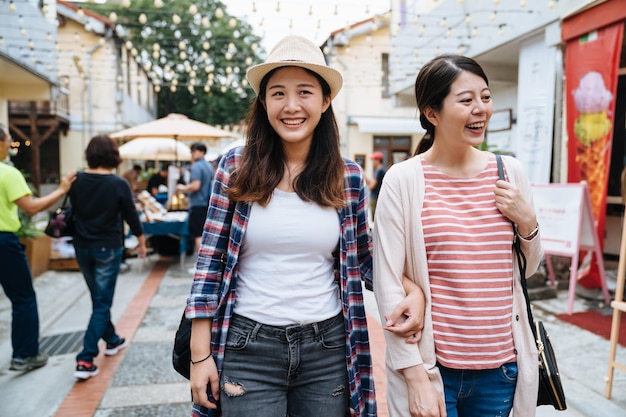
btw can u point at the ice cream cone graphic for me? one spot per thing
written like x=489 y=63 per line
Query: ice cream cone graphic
x=592 y=129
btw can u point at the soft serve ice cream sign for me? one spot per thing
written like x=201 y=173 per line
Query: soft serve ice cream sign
x=592 y=129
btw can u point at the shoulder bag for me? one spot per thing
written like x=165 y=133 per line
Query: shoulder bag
x=61 y=222
x=550 y=387
x=181 y=353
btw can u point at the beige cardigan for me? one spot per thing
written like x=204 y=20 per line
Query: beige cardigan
x=399 y=248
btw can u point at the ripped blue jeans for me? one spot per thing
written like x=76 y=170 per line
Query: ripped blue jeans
x=271 y=371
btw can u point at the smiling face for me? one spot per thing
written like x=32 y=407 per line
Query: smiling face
x=465 y=112
x=294 y=102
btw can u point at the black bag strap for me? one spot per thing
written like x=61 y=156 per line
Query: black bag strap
x=521 y=258
x=64 y=204
x=67 y=194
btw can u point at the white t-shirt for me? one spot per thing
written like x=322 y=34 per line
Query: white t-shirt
x=286 y=273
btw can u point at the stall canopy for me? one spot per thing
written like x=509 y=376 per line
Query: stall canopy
x=174 y=126
x=155 y=149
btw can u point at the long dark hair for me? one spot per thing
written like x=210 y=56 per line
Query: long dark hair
x=432 y=85
x=262 y=163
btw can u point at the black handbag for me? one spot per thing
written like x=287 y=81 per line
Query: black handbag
x=61 y=222
x=181 y=354
x=550 y=387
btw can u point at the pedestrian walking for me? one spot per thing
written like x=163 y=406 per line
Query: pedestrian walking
x=445 y=219
x=16 y=278
x=279 y=325
x=199 y=189
x=101 y=202
x=376 y=182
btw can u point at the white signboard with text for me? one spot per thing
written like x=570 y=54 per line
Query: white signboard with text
x=566 y=227
x=566 y=223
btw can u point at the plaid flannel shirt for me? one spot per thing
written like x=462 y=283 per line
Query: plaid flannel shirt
x=213 y=292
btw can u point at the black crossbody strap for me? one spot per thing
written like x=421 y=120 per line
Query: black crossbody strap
x=521 y=258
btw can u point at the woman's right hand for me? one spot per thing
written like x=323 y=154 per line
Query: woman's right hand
x=203 y=376
x=203 y=373
x=424 y=399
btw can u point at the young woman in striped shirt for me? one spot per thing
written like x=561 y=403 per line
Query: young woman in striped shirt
x=446 y=220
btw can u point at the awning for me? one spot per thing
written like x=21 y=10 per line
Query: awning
x=387 y=125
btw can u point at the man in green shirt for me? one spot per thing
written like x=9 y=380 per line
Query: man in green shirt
x=15 y=277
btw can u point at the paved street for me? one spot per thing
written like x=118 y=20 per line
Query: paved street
x=141 y=382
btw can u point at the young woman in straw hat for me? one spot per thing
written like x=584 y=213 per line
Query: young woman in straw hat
x=279 y=325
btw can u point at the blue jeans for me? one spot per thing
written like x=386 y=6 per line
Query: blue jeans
x=299 y=371
x=481 y=393
x=100 y=267
x=17 y=283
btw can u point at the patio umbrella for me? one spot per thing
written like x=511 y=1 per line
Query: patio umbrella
x=155 y=149
x=175 y=126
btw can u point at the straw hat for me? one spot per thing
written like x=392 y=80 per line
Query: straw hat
x=296 y=51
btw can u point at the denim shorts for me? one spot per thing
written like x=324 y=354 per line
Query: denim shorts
x=300 y=371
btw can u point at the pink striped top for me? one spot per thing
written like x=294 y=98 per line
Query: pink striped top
x=470 y=263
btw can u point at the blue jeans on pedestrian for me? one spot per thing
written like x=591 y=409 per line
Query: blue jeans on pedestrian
x=299 y=371
x=479 y=393
x=17 y=283
x=100 y=267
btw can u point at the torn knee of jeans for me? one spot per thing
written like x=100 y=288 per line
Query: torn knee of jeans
x=233 y=389
x=338 y=391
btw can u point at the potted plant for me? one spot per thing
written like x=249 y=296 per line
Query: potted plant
x=37 y=245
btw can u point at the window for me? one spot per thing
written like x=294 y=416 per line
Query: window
x=394 y=148
x=384 y=83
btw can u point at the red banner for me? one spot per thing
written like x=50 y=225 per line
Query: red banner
x=591 y=70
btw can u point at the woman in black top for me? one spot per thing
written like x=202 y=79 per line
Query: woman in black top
x=101 y=202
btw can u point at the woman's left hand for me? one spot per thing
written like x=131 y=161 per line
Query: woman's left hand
x=67 y=180
x=407 y=319
x=511 y=203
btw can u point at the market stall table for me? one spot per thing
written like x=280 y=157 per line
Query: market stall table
x=173 y=224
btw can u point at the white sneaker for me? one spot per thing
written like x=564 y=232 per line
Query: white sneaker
x=113 y=348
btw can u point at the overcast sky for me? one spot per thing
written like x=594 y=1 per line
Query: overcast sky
x=293 y=16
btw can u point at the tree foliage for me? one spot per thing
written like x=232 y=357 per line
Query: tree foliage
x=195 y=53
